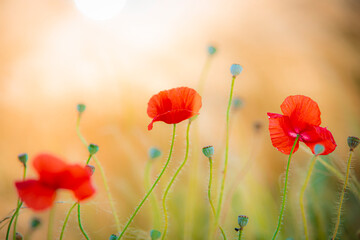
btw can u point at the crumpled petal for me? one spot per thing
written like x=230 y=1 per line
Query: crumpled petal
x=324 y=137
x=49 y=167
x=35 y=195
x=280 y=130
x=174 y=105
x=302 y=111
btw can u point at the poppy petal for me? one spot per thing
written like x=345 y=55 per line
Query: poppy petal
x=48 y=167
x=174 y=105
x=302 y=110
x=35 y=195
x=77 y=179
x=324 y=137
x=281 y=133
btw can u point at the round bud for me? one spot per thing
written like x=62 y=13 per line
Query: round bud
x=35 y=222
x=91 y=168
x=155 y=234
x=243 y=221
x=353 y=142
x=319 y=149
x=154 y=153
x=211 y=50
x=81 y=107
x=93 y=148
x=113 y=237
x=23 y=158
x=208 y=151
x=236 y=69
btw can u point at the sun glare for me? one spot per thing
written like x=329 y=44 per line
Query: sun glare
x=100 y=9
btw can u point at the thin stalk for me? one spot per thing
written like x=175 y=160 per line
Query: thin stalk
x=342 y=197
x=217 y=216
x=240 y=233
x=152 y=187
x=302 y=193
x=285 y=188
x=66 y=220
x=51 y=222
x=12 y=218
x=210 y=201
x=80 y=225
x=173 y=179
x=103 y=176
x=153 y=200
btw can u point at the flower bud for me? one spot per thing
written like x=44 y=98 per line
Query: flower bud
x=243 y=221
x=319 y=149
x=93 y=148
x=23 y=158
x=208 y=151
x=353 y=142
x=211 y=50
x=113 y=237
x=155 y=234
x=154 y=153
x=81 y=107
x=34 y=223
x=236 y=69
x=18 y=236
x=91 y=168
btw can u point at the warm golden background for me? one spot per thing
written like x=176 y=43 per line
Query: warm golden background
x=52 y=57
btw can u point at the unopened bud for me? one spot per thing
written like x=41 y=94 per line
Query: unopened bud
x=91 y=168
x=236 y=69
x=113 y=237
x=208 y=151
x=155 y=234
x=23 y=158
x=34 y=223
x=154 y=153
x=353 y=142
x=93 y=148
x=81 y=107
x=211 y=50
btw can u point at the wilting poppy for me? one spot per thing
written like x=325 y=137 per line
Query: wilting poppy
x=174 y=105
x=301 y=117
x=54 y=174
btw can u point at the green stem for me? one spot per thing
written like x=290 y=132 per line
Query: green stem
x=152 y=187
x=173 y=179
x=217 y=216
x=240 y=233
x=285 y=188
x=210 y=201
x=154 y=203
x=16 y=214
x=66 y=220
x=342 y=196
x=80 y=225
x=87 y=162
x=51 y=223
x=302 y=193
x=102 y=173
x=19 y=204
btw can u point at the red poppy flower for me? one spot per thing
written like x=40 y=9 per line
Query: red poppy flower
x=54 y=174
x=301 y=117
x=174 y=105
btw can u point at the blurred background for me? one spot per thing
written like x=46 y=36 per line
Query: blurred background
x=114 y=57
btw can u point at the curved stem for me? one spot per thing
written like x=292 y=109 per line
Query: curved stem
x=12 y=218
x=154 y=203
x=285 y=188
x=342 y=196
x=173 y=179
x=217 y=216
x=302 y=193
x=102 y=173
x=210 y=201
x=66 y=220
x=80 y=225
x=152 y=187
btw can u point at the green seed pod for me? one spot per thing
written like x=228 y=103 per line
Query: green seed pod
x=319 y=149
x=93 y=148
x=81 y=108
x=236 y=69
x=23 y=158
x=154 y=153
x=34 y=223
x=211 y=50
x=208 y=151
x=243 y=221
x=155 y=234
x=113 y=237
x=353 y=142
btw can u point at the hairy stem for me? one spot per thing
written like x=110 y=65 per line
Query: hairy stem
x=302 y=193
x=342 y=197
x=285 y=189
x=66 y=220
x=153 y=200
x=152 y=187
x=80 y=225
